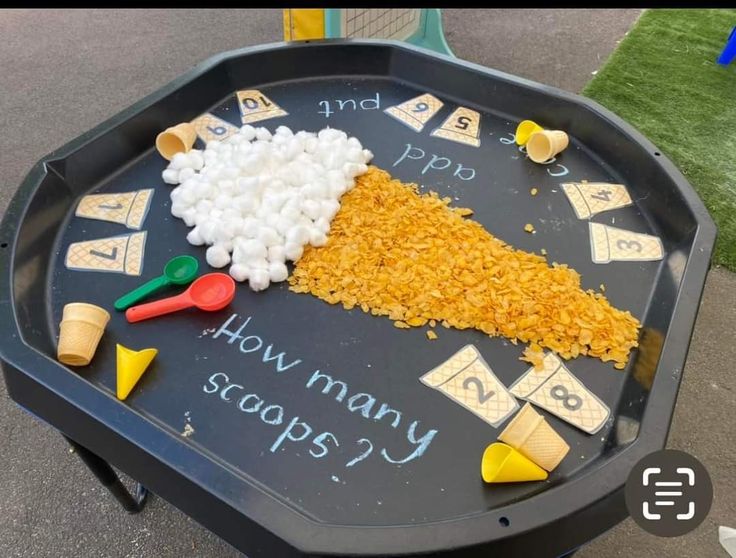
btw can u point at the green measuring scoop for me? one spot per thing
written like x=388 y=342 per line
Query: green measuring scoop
x=180 y=270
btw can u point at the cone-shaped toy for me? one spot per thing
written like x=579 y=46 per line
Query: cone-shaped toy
x=502 y=463
x=131 y=366
x=177 y=139
x=544 y=145
x=533 y=437
x=81 y=329
x=524 y=131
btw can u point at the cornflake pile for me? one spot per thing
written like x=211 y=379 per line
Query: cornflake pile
x=257 y=199
x=397 y=253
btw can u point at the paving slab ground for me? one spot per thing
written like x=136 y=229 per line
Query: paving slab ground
x=65 y=71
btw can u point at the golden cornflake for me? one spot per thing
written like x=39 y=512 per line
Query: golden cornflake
x=412 y=258
x=431 y=335
x=529 y=228
x=533 y=191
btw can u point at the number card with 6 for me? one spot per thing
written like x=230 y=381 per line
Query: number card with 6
x=555 y=389
x=416 y=112
x=468 y=380
x=255 y=106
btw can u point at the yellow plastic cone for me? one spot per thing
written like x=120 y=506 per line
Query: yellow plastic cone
x=502 y=463
x=525 y=129
x=131 y=366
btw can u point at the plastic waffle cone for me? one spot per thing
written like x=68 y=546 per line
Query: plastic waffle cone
x=544 y=145
x=534 y=438
x=81 y=329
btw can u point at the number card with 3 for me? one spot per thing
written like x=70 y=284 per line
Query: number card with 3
x=416 y=112
x=556 y=390
x=611 y=243
x=468 y=380
x=255 y=106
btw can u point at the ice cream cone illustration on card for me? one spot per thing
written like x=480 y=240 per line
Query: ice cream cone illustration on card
x=589 y=198
x=209 y=128
x=416 y=112
x=117 y=254
x=127 y=208
x=462 y=126
x=255 y=106
x=610 y=243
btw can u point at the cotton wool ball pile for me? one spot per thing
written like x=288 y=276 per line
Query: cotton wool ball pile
x=257 y=199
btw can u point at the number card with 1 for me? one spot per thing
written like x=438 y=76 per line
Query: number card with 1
x=117 y=254
x=611 y=243
x=416 y=112
x=468 y=380
x=255 y=106
x=210 y=128
x=555 y=389
x=462 y=126
x=127 y=208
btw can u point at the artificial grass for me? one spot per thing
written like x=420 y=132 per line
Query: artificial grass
x=663 y=79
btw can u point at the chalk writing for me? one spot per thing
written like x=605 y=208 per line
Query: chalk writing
x=435 y=162
x=340 y=105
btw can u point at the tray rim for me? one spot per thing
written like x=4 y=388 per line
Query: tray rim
x=304 y=534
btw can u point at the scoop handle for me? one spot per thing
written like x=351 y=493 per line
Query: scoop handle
x=159 y=307
x=146 y=289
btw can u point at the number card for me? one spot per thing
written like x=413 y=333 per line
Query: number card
x=210 y=128
x=416 y=112
x=610 y=243
x=589 y=198
x=468 y=380
x=555 y=389
x=127 y=208
x=462 y=126
x=255 y=106
x=117 y=254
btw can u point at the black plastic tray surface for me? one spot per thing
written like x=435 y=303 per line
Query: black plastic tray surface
x=310 y=472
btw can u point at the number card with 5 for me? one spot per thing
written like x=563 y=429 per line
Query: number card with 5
x=472 y=384
x=556 y=390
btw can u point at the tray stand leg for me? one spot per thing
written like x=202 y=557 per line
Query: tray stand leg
x=110 y=480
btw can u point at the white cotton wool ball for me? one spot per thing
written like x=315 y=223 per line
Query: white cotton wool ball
x=187 y=197
x=269 y=236
x=263 y=134
x=213 y=145
x=322 y=224
x=179 y=161
x=328 y=209
x=311 y=209
x=226 y=187
x=354 y=155
x=170 y=176
x=259 y=279
x=231 y=172
x=178 y=208
x=291 y=213
x=223 y=201
x=258 y=263
x=351 y=170
x=186 y=173
x=245 y=147
x=240 y=160
x=277 y=272
x=231 y=214
x=200 y=218
x=239 y=272
x=196 y=158
x=283 y=225
x=298 y=234
x=293 y=251
x=194 y=237
x=284 y=131
x=204 y=206
x=246 y=205
x=367 y=155
x=207 y=231
x=272 y=220
x=354 y=143
x=248 y=132
x=292 y=149
x=250 y=227
x=276 y=253
x=317 y=238
x=217 y=256
x=188 y=217
x=311 y=145
x=253 y=249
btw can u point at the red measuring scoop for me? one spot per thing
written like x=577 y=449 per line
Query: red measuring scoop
x=210 y=292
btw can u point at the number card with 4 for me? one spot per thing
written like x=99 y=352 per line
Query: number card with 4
x=416 y=112
x=468 y=380
x=611 y=243
x=255 y=106
x=555 y=389
x=589 y=198
x=210 y=128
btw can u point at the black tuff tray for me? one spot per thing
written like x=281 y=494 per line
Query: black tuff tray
x=353 y=500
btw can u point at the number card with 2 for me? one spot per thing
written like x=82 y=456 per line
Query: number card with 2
x=556 y=390
x=416 y=112
x=255 y=106
x=468 y=380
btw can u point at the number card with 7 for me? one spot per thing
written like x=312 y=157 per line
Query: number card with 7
x=468 y=380
x=556 y=390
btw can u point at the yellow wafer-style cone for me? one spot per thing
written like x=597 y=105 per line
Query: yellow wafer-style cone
x=525 y=129
x=532 y=436
x=130 y=367
x=502 y=463
x=544 y=145
x=177 y=139
x=81 y=329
